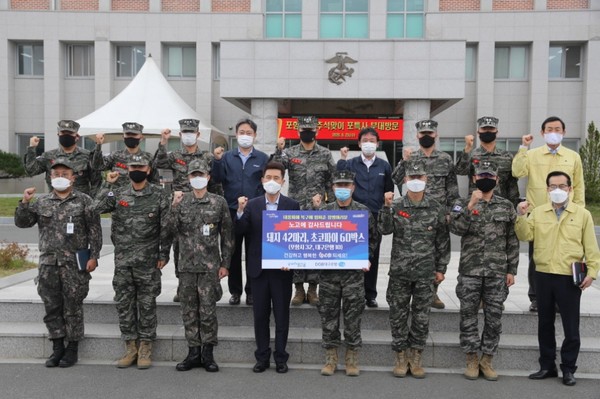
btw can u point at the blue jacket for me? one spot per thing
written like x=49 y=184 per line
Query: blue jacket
x=239 y=179
x=370 y=183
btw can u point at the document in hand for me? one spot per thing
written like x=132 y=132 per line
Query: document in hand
x=82 y=255
x=579 y=272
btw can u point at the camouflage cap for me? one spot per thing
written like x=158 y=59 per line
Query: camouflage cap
x=138 y=160
x=198 y=165
x=414 y=168
x=67 y=125
x=426 y=125
x=61 y=161
x=343 y=176
x=308 y=122
x=486 y=167
x=487 y=121
x=132 y=127
x=189 y=125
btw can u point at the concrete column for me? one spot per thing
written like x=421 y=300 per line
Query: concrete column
x=155 y=6
x=205 y=5
x=538 y=88
x=204 y=79
x=264 y=113
x=377 y=20
x=4 y=4
x=432 y=6
x=310 y=19
x=7 y=93
x=104 y=71
x=486 y=5
x=485 y=78
x=591 y=98
x=54 y=77
x=256 y=6
x=104 y=5
x=540 y=5
x=414 y=111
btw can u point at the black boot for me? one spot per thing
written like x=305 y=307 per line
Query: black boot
x=193 y=359
x=207 y=358
x=70 y=357
x=58 y=351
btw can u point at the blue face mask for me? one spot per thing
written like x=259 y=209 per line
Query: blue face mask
x=342 y=194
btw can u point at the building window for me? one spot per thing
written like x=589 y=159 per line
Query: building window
x=471 y=62
x=283 y=19
x=80 y=60
x=130 y=60
x=564 y=62
x=31 y=59
x=405 y=18
x=452 y=147
x=344 y=19
x=23 y=143
x=181 y=61
x=216 y=56
x=511 y=62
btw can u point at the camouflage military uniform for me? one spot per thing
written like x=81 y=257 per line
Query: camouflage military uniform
x=202 y=226
x=61 y=285
x=507 y=185
x=344 y=288
x=117 y=162
x=139 y=235
x=421 y=247
x=489 y=251
x=87 y=179
x=309 y=173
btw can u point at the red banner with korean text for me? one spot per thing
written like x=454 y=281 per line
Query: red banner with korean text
x=344 y=128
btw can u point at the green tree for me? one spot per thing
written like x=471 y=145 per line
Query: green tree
x=590 y=158
x=10 y=165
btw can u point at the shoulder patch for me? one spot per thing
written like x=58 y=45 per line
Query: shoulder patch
x=457 y=208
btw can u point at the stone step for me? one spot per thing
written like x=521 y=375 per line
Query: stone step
x=305 y=316
x=236 y=345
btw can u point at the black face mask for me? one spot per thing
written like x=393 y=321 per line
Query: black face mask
x=137 y=176
x=485 y=185
x=426 y=141
x=487 y=137
x=131 y=142
x=307 y=136
x=66 y=140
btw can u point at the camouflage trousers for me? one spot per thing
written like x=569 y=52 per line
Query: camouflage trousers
x=345 y=290
x=63 y=289
x=136 y=289
x=399 y=294
x=470 y=290
x=198 y=296
x=305 y=276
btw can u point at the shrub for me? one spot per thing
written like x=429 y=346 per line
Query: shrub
x=590 y=158
x=13 y=255
x=10 y=165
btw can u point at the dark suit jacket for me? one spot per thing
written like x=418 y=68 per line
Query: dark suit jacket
x=250 y=224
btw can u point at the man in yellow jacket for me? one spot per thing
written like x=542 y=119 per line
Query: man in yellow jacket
x=536 y=164
x=563 y=233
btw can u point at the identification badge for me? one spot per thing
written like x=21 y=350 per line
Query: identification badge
x=206 y=230
x=70 y=228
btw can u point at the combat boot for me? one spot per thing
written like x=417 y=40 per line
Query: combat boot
x=331 y=361
x=401 y=366
x=472 y=370
x=352 y=363
x=70 y=356
x=193 y=359
x=299 y=296
x=311 y=295
x=437 y=302
x=144 y=356
x=58 y=351
x=207 y=358
x=415 y=363
x=485 y=365
x=130 y=356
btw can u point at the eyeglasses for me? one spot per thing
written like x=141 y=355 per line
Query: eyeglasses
x=561 y=186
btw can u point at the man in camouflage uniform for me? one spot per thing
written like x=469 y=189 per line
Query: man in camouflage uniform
x=177 y=161
x=139 y=234
x=487 y=131
x=420 y=255
x=442 y=185
x=202 y=224
x=118 y=160
x=66 y=225
x=87 y=179
x=489 y=258
x=343 y=287
x=310 y=167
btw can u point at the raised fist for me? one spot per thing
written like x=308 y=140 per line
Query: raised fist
x=242 y=202
x=388 y=198
x=281 y=143
x=527 y=139
x=100 y=138
x=177 y=197
x=344 y=152
x=218 y=152
x=164 y=136
x=469 y=140
x=28 y=194
x=34 y=141
x=112 y=177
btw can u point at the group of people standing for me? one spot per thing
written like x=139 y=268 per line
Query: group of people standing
x=215 y=210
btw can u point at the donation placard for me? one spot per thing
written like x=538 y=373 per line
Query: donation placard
x=315 y=240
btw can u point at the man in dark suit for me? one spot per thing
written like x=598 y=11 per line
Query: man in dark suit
x=270 y=288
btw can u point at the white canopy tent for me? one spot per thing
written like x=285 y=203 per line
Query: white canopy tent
x=149 y=100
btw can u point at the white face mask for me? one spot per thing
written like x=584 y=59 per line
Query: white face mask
x=558 y=196
x=553 y=138
x=198 y=183
x=60 y=183
x=271 y=187
x=415 y=185
x=188 y=139
x=245 y=141
x=368 y=148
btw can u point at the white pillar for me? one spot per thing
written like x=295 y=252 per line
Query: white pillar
x=54 y=76
x=264 y=113
x=538 y=92
x=414 y=111
x=591 y=99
